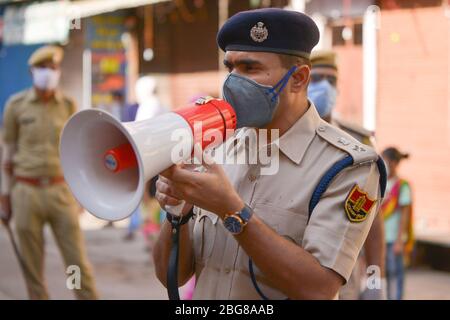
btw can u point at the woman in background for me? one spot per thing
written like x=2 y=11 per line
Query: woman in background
x=397 y=212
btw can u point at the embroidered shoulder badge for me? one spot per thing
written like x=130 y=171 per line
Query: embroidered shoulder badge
x=358 y=205
x=259 y=32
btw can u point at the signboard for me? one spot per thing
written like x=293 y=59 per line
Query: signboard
x=36 y=23
x=104 y=39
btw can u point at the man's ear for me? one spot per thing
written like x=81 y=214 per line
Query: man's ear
x=300 y=78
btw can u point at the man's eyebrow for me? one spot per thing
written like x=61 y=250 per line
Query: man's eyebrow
x=245 y=61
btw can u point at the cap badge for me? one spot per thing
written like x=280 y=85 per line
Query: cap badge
x=259 y=32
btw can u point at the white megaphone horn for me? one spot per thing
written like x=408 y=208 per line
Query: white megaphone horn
x=107 y=163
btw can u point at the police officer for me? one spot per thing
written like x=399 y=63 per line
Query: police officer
x=262 y=233
x=322 y=91
x=33 y=188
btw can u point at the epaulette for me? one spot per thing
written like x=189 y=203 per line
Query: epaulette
x=17 y=96
x=340 y=139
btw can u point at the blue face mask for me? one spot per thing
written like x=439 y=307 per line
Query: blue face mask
x=323 y=95
x=254 y=103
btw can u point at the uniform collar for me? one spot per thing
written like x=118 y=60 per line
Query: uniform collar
x=32 y=96
x=294 y=142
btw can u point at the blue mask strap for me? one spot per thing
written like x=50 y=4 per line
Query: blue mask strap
x=278 y=88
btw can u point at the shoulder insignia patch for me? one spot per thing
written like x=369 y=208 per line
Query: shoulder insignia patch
x=358 y=205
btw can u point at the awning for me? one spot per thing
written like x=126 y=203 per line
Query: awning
x=87 y=8
x=30 y=23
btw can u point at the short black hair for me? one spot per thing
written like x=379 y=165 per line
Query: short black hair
x=287 y=61
x=393 y=154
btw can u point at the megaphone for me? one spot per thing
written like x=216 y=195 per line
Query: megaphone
x=107 y=163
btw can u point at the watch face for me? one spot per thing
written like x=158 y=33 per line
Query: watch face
x=233 y=224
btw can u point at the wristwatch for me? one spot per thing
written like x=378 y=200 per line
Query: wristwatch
x=236 y=222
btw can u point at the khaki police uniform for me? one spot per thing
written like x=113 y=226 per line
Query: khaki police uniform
x=39 y=194
x=306 y=151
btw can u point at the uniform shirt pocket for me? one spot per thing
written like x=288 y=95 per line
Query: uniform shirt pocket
x=29 y=128
x=286 y=223
x=57 y=127
x=204 y=235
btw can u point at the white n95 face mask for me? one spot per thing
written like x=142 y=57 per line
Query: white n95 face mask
x=45 y=78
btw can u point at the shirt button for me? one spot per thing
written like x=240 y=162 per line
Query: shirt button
x=227 y=270
x=321 y=129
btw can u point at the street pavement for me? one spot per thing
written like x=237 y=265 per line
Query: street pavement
x=124 y=269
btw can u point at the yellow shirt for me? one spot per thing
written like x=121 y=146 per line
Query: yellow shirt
x=307 y=150
x=34 y=128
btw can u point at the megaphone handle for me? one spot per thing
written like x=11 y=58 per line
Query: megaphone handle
x=176 y=210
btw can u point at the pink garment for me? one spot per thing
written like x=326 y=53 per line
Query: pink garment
x=190 y=286
x=150 y=228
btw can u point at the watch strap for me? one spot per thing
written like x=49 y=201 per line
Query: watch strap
x=246 y=213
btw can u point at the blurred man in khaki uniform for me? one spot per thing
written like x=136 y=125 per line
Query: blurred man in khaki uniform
x=258 y=230
x=33 y=188
x=322 y=91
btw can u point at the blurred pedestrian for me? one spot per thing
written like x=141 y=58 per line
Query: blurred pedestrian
x=118 y=104
x=129 y=112
x=322 y=91
x=33 y=188
x=146 y=96
x=397 y=213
